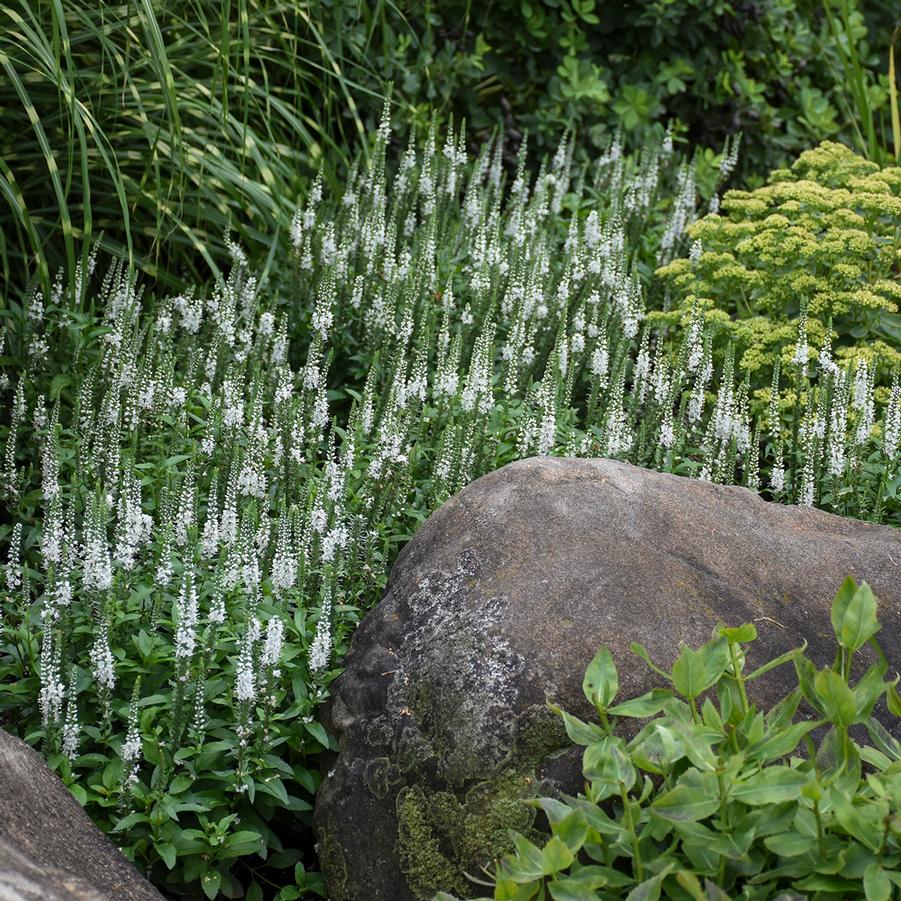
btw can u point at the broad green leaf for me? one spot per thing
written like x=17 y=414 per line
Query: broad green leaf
x=569 y=889
x=210 y=882
x=647 y=705
x=649 y=890
x=739 y=634
x=854 y=615
x=605 y=761
x=244 y=841
x=779 y=744
x=180 y=783
x=528 y=863
x=694 y=798
x=130 y=820
x=835 y=696
x=579 y=732
x=771 y=785
x=572 y=830
x=601 y=682
x=866 y=693
x=733 y=844
x=876 y=883
x=554 y=809
x=695 y=742
x=654 y=749
x=790 y=844
x=555 y=856
x=863 y=822
x=167 y=853
x=691 y=675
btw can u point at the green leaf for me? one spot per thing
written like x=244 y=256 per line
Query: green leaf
x=244 y=841
x=601 y=682
x=781 y=714
x=580 y=733
x=790 y=844
x=528 y=863
x=793 y=655
x=696 y=742
x=771 y=785
x=854 y=615
x=130 y=820
x=605 y=761
x=692 y=674
x=863 y=822
x=318 y=732
x=739 y=634
x=569 y=889
x=572 y=830
x=781 y=743
x=180 y=783
x=649 y=890
x=884 y=740
x=649 y=704
x=210 y=882
x=876 y=883
x=893 y=700
x=819 y=882
x=555 y=856
x=835 y=696
x=695 y=797
x=167 y=853
x=867 y=692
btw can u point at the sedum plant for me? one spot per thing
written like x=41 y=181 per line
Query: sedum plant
x=714 y=799
x=816 y=248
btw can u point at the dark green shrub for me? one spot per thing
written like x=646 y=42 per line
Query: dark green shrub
x=768 y=68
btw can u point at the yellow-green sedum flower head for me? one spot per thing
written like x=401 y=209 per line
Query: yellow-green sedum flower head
x=825 y=235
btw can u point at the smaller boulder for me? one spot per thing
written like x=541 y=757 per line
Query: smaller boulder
x=49 y=848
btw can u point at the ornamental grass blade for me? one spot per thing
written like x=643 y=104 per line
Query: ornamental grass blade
x=893 y=96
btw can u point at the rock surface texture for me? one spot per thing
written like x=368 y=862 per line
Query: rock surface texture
x=502 y=599
x=49 y=848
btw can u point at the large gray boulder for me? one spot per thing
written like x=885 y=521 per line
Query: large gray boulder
x=49 y=848
x=503 y=597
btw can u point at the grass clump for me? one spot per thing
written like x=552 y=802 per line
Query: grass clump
x=711 y=798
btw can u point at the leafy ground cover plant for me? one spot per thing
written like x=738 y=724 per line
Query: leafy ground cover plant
x=207 y=488
x=712 y=799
